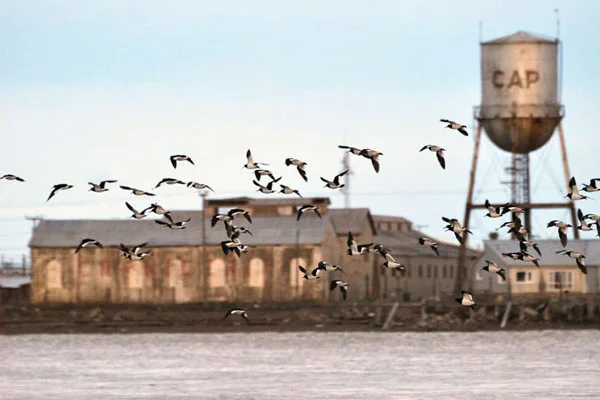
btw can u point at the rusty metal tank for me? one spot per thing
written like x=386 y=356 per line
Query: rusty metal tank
x=520 y=105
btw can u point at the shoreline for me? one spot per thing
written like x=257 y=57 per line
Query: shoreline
x=208 y=318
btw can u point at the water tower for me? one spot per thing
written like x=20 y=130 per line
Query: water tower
x=520 y=111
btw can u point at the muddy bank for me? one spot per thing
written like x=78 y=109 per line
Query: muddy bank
x=289 y=318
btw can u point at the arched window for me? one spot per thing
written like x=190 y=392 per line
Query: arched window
x=295 y=274
x=54 y=275
x=256 y=273
x=217 y=273
x=175 y=273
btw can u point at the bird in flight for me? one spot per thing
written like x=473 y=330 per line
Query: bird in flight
x=237 y=311
x=58 y=188
x=353 y=150
x=300 y=166
x=326 y=267
x=180 y=157
x=169 y=181
x=340 y=284
x=199 y=186
x=492 y=267
x=137 y=192
x=268 y=189
x=101 y=187
x=335 y=184
x=11 y=177
x=251 y=164
x=309 y=276
x=429 y=243
x=525 y=243
x=355 y=249
x=173 y=225
x=305 y=208
x=584 y=226
x=439 y=152
x=579 y=258
x=455 y=125
x=86 y=243
x=289 y=190
x=136 y=214
x=574 y=191
x=259 y=173
x=495 y=211
x=562 y=230
x=592 y=187
x=466 y=299
x=457 y=228
x=372 y=155
x=135 y=253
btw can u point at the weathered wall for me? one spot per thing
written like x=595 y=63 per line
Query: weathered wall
x=173 y=275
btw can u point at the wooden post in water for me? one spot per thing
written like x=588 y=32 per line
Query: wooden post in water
x=506 y=314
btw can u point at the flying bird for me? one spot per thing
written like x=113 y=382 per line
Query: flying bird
x=592 y=187
x=220 y=217
x=101 y=187
x=235 y=231
x=429 y=243
x=457 y=228
x=180 y=157
x=513 y=209
x=391 y=263
x=234 y=212
x=173 y=225
x=259 y=173
x=492 y=267
x=288 y=190
x=372 y=155
x=456 y=126
x=169 y=181
x=579 y=258
x=199 y=186
x=268 y=189
x=584 y=226
x=136 y=214
x=495 y=211
x=466 y=299
x=309 y=276
x=11 y=177
x=574 y=191
x=335 y=184
x=562 y=230
x=439 y=152
x=158 y=209
x=354 y=248
x=58 y=188
x=250 y=164
x=342 y=285
x=524 y=245
x=326 y=267
x=232 y=245
x=137 y=192
x=523 y=257
x=305 y=208
x=86 y=243
x=237 y=311
x=300 y=166
x=135 y=253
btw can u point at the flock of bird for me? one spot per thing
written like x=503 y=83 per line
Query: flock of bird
x=233 y=244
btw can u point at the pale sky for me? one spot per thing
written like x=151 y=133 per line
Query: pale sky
x=109 y=90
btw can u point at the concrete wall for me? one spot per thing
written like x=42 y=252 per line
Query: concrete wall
x=173 y=275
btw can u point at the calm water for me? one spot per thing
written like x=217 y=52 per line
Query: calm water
x=458 y=366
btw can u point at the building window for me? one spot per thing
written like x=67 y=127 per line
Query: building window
x=444 y=272
x=217 y=273
x=54 y=275
x=295 y=274
x=451 y=271
x=420 y=271
x=560 y=280
x=256 y=273
x=524 y=277
x=429 y=271
x=435 y=271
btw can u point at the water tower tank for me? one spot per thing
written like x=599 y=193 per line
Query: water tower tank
x=519 y=79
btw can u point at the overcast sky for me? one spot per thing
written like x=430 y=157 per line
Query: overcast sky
x=110 y=89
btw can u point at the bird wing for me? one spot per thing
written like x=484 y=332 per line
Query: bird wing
x=447 y=121
x=460 y=239
x=389 y=257
x=441 y=159
x=572 y=185
x=299 y=214
x=563 y=237
x=333 y=285
x=319 y=215
x=463 y=131
x=302 y=269
x=224 y=247
x=436 y=250
x=130 y=207
x=537 y=249
x=52 y=193
x=160 y=222
x=502 y=274
x=302 y=173
x=173 y=162
x=344 y=291
x=580 y=216
x=126 y=187
x=581 y=265
x=258 y=184
x=249 y=157
x=447 y=220
x=375 y=162
x=424 y=147
x=325 y=180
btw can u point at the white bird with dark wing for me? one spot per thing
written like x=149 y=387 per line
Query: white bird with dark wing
x=11 y=177
x=251 y=164
x=237 y=311
x=326 y=267
x=523 y=257
x=87 y=242
x=232 y=245
x=494 y=211
x=309 y=276
x=466 y=299
x=455 y=125
x=300 y=166
x=180 y=157
x=335 y=184
x=101 y=187
x=340 y=284
x=391 y=263
x=268 y=189
x=562 y=230
x=136 y=214
x=137 y=192
x=172 y=224
x=353 y=150
x=199 y=186
x=372 y=155
x=220 y=217
x=492 y=267
x=306 y=208
x=355 y=249
x=235 y=231
x=524 y=244
x=234 y=212
x=592 y=187
x=517 y=211
x=58 y=188
x=584 y=226
x=574 y=191
x=429 y=243
x=169 y=181
x=259 y=173
x=439 y=152
x=157 y=209
x=579 y=258
x=457 y=228
x=289 y=190
x=136 y=253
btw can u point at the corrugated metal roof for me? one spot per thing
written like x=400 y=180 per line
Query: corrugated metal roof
x=590 y=248
x=14 y=282
x=266 y=230
x=521 y=37
x=350 y=219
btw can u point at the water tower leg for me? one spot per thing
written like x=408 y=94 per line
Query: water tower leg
x=461 y=265
x=563 y=149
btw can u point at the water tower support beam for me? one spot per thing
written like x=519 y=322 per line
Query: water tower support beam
x=563 y=149
x=461 y=267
